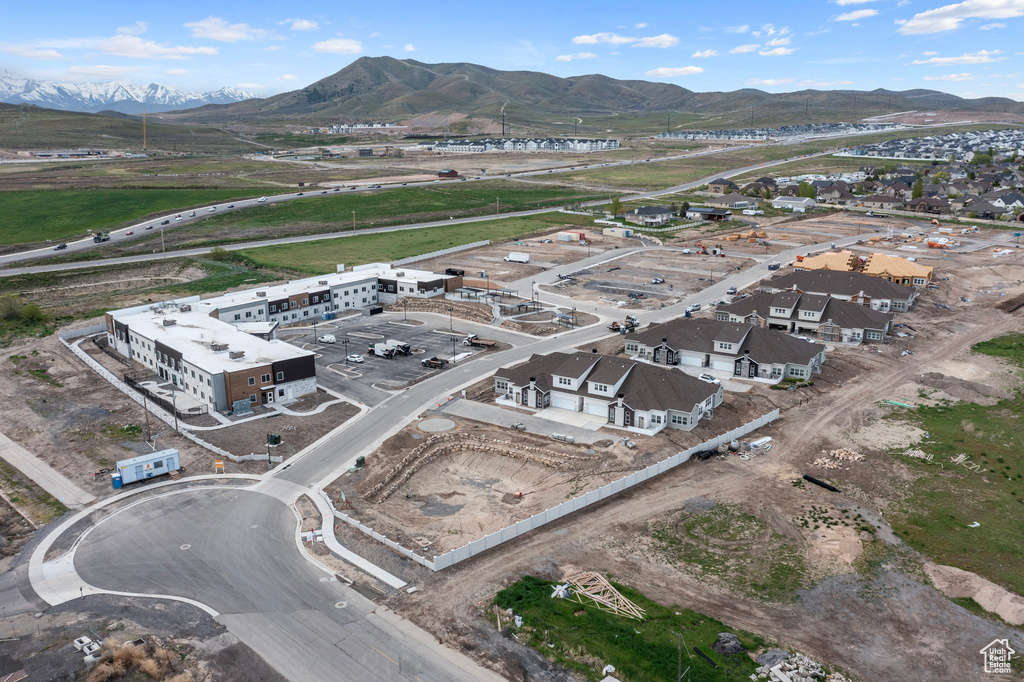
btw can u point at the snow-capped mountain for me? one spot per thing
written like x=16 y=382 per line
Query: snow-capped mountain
x=111 y=96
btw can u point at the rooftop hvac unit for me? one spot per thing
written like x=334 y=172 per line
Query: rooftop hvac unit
x=322 y=282
x=400 y=274
x=236 y=354
x=261 y=294
x=168 y=322
x=215 y=346
x=186 y=308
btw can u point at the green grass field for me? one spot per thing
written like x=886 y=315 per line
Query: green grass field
x=934 y=518
x=405 y=205
x=32 y=217
x=583 y=638
x=322 y=256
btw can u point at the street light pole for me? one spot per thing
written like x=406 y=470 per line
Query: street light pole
x=405 y=309
x=174 y=408
x=451 y=324
x=345 y=343
x=454 y=361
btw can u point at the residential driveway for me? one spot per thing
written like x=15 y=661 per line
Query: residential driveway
x=499 y=416
x=234 y=550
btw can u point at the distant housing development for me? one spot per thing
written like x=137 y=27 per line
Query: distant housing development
x=956 y=146
x=784 y=133
x=523 y=144
x=222 y=350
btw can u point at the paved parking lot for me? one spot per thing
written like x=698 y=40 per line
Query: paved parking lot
x=371 y=381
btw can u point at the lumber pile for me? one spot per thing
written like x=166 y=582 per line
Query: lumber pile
x=593 y=587
x=834 y=459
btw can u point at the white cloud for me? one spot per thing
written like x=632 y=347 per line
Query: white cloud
x=769 y=81
x=409 y=48
x=273 y=48
x=670 y=71
x=776 y=52
x=737 y=29
x=823 y=84
x=339 y=46
x=642 y=24
x=250 y=86
x=739 y=49
x=134 y=46
x=857 y=15
x=138 y=28
x=930 y=53
x=578 y=55
x=176 y=72
x=31 y=52
x=287 y=77
x=704 y=54
x=951 y=17
x=102 y=70
x=664 y=40
x=595 y=38
x=979 y=57
x=844 y=3
x=951 y=77
x=989 y=27
x=217 y=28
x=778 y=41
x=375 y=34
x=301 y=24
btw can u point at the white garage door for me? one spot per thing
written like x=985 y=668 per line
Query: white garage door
x=563 y=402
x=596 y=409
x=727 y=365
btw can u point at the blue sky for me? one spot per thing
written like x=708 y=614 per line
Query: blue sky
x=971 y=48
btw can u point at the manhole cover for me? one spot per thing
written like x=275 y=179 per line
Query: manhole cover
x=341 y=605
x=323 y=580
x=436 y=425
x=184 y=547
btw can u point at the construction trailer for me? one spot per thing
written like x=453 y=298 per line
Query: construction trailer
x=382 y=350
x=399 y=346
x=145 y=466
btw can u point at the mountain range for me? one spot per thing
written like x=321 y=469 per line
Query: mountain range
x=118 y=96
x=384 y=87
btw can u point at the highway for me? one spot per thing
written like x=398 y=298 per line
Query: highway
x=120 y=235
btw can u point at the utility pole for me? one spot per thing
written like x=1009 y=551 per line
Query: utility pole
x=353 y=220
x=145 y=408
x=174 y=408
x=497 y=211
x=143 y=128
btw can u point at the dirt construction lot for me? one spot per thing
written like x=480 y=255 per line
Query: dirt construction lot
x=746 y=540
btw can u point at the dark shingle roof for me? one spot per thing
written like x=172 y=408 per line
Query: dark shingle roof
x=699 y=335
x=839 y=283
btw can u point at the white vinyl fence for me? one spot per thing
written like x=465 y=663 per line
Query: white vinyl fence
x=442 y=252
x=564 y=509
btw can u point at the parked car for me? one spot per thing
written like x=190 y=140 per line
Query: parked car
x=731 y=291
x=693 y=308
x=658 y=280
x=60 y=247
x=708 y=378
x=355 y=358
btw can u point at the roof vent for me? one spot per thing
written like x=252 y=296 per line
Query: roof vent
x=533 y=379
x=400 y=273
x=261 y=294
x=218 y=347
x=236 y=354
x=664 y=340
x=186 y=308
x=322 y=282
x=168 y=322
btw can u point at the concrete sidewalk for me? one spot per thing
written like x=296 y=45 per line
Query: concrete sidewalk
x=45 y=476
x=493 y=414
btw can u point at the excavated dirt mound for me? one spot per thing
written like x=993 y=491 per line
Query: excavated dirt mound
x=976 y=392
x=957 y=583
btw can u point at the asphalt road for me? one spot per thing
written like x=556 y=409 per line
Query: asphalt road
x=234 y=550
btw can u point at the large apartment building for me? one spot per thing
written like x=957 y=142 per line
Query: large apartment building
x=222 y=350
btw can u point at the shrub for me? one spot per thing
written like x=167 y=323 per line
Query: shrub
x=32 y=314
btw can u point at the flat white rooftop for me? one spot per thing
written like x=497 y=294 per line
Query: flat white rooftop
x=193 y=334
